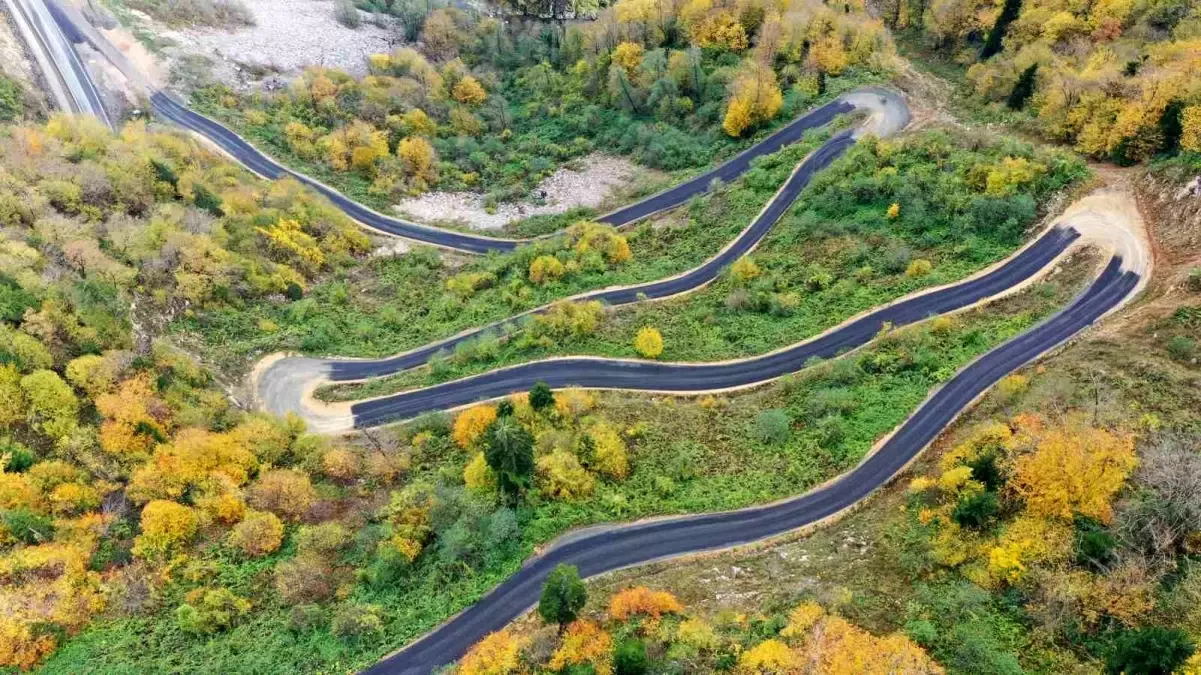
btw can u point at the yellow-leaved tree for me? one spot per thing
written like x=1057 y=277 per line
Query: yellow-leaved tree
x=755 y=97
x=1074 y=469
x=497 y=654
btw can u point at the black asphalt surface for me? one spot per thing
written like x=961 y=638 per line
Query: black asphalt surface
x=641 y=543
x=695 y=377
x=168 y=108
x=341 y=371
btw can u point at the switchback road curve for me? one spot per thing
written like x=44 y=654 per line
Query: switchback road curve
x=641 y=543
x=283 y=384
x=167 y=108
x=682 y=378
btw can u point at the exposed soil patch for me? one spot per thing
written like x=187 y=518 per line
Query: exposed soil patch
x=288 y=36
x=12 y=55
x=591 y=182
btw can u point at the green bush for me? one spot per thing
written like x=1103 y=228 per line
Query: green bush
x=1181 y=347
x=563 y=596
x=630 y=657
x=12 y=99
x=773 y=427
x=1148 y=651
x=347 y=14
x=214 y=611
x=354 y=622
x=27 y=526
x=19 y=457
x=976 y=510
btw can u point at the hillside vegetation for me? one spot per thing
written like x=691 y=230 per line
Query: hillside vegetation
x=1116 y=79
x=492 y=106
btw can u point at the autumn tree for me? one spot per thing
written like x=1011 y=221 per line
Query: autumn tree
x=52 y=406
x=417 y=156
x=497 y=654
x=468 y=91
x=164 y=527
x=285 y=492
x=1074 y=469
x=640 y=600
x=259 y=534
x=755 y=97
x=585 y=644
x=563 y=596
x=471 y=424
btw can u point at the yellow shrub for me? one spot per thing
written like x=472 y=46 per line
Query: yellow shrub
x=744 y=270
x=260 y=533
x=584 y=644
x=340 y=463
x=801 y=620
x=640 y=600
x=573 y=402
x=469 y=92
x=612 y=456
x=649 y=342
x=696 y=633
x=471 y=424
x=165 y=525
x=497 y=654
x=770 y=657
x=562 y=477
x=477 y=475
x=919 y=268
x=545 y=269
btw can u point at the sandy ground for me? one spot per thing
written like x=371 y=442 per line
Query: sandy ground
x=288 y=35
x=597 y=177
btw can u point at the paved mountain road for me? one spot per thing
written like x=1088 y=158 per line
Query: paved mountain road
x=599 y=373
x=283 y=385
x=640 y=543
x=166 y=107
x=595 y=553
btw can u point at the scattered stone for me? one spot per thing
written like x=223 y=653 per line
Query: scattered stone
x=288 y=36
x=563 y=190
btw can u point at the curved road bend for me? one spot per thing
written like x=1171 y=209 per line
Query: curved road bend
x=640 y=543
x=341 y=370
x=600 y=373
x=168 y=108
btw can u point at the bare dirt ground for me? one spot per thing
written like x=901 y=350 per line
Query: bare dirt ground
x=12 y=55
x=14 y=63
x=590 y=183
x=288 y=36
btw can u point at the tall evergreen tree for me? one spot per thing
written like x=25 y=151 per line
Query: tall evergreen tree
x=1171 y=127
x=1009 y=13
x=563 y=596
x=1023 y=89
x=509 y=451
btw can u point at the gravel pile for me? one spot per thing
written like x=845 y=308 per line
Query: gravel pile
x=288 y=35
x=598 y=176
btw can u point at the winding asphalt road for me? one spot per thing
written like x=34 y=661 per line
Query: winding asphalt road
x=237 y=147
x=641 y=543
x=344 y=370
x=601 y=373
x=283 y=384
x=638 y=543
